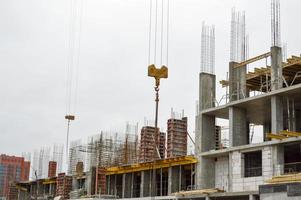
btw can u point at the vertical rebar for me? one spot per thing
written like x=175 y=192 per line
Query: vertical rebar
x=207 y=48
x=238 y=38
x=275 y=23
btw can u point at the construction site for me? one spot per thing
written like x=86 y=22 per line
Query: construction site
x=227 y=163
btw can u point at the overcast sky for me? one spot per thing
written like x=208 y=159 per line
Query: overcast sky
x=113 y=87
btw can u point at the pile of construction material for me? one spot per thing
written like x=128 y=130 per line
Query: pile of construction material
x=289 y=178
x=199 y=192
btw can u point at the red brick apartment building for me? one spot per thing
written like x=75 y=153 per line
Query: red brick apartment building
x=12 y=169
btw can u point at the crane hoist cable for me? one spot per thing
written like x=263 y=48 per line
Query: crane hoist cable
x=157 y=73
x=156 y=26
x=75 y=29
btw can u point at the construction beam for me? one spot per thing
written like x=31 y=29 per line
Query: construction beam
x=275 y=136
x=290 y=178
x=290 y=133
x=185 y=160
x=246 y=62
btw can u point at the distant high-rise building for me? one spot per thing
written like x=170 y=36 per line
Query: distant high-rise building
x=177 y=137
x=52 y=169
x=148 y=150
x=12 y=169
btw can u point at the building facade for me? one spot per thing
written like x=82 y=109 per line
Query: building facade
x=52 y=166
x=12 y=169
x=148 y=146
x=177 y=137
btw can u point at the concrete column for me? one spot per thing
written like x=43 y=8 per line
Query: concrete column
x=278 y=159
x=161 y=183
x=298 y=121
x=173 y=179
x=290 y=113
x=132 y=184
x=266 y=129
x=176 y=178
x=169 y=190
x=276 y=68
x=276 y=114
x=206 y=91
x=108 y=183
x=293 y=113
x=88 y=182
x=237 y=82
x=142 y=184
x=126 y=185
x=230 y=173
x=238 y=127
x=115 y=184
x=205 y=173
x=74 y=183
x=180 y=178
x=145 y=183
x=205 y=128
x=252 y=197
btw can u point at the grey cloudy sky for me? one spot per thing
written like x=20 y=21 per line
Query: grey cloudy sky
x=113 y=86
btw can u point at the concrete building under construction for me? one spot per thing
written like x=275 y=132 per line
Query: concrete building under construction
x=152 y=144
x=177 y=136
x=267 y=97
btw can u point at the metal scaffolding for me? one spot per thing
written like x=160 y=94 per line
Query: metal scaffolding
x=105 y=150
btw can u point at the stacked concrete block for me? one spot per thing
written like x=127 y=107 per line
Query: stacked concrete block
x=222 y=173
x=235 y=172
x=267 y=163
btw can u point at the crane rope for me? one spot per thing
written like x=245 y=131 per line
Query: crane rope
x=162 y=19
x=167 y=32
x=158 y=32
x=150 y=31
x=156 y=24
x=78 y=54
x=157 y=73
x=69 y=59
x=75 y=29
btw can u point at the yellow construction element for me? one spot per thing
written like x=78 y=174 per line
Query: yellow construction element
x=290 y=133
x=275 y=136
x=255 y=79
x=251 y=60
x=49 y=181
x=294 y=60
x=290 y=178
x=157 y=73
x=198 y=192
x=164 y=163
x=283 y=135
x=21 y=188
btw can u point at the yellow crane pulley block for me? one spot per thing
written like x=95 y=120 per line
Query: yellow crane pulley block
x=157 y=73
